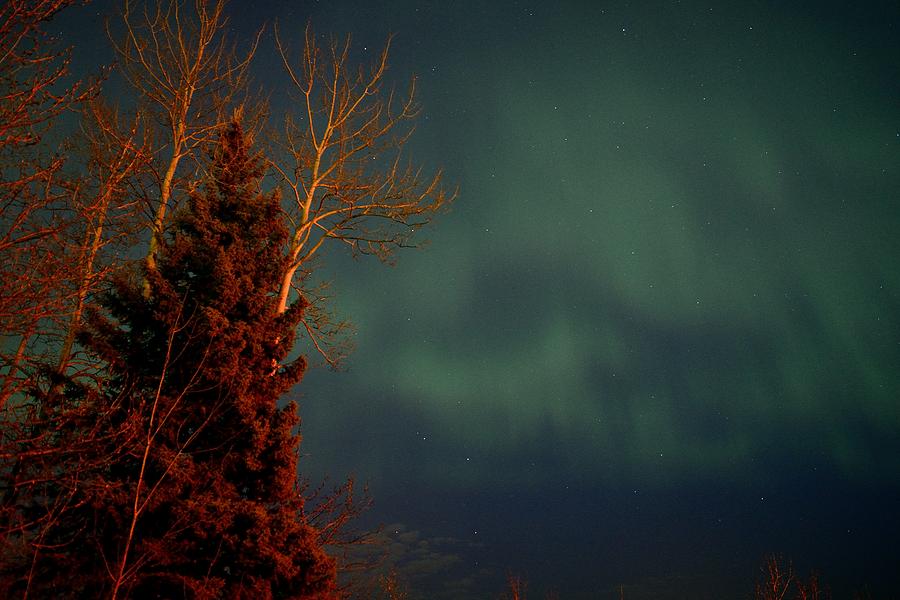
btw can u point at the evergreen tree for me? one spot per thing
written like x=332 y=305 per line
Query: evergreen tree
x=187 y=482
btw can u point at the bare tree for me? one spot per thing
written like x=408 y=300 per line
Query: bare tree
x=777 y=581
x=392 y=587
x=55 y=202
x=780 y=582
x=517 y=587
x=811 y=589
x=341 y=164
x=177 y=56
x=31 y=69
x=36 y=216
x=108 y=215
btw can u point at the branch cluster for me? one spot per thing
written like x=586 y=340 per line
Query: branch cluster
x=142 y=442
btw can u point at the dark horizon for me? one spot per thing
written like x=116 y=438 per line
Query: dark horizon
x=657 y=337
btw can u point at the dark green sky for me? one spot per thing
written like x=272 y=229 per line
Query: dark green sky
x=672 y=266
x=674 y=236
x=658 y=335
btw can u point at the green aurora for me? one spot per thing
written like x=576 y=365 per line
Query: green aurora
x=674 y=252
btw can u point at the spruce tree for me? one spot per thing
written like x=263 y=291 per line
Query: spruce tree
x=188 y=467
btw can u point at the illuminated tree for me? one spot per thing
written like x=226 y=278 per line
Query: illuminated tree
x=55 y=202
x=142 y=451
x=341 y=164
x=198 y=492
x=36 y=214
x=780 y=582
x=177 y=58
x=56 y=229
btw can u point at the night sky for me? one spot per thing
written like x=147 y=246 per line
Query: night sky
x=658 y=335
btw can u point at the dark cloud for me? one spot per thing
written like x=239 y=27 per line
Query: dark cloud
x=424 y=567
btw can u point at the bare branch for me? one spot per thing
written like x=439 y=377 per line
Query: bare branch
x=340 y=161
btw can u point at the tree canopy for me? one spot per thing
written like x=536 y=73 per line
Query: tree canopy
x=145 y=450
x=188 y=483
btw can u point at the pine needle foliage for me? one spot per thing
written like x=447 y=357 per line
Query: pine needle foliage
x=188 y=486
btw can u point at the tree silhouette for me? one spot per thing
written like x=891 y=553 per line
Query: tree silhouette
x=38 y=269
x=192 y=487
x=779 y=581
x=178 y=59
x=142 y=448
x=340 y=163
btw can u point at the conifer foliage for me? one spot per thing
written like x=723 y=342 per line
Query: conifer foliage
x=188 y=486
